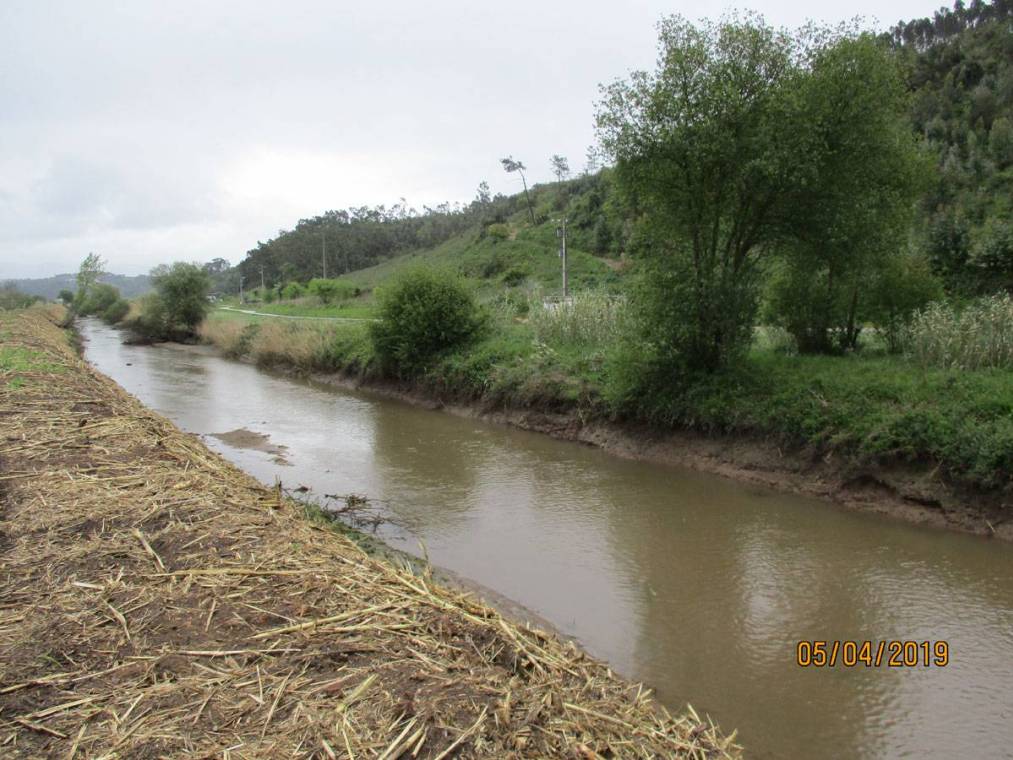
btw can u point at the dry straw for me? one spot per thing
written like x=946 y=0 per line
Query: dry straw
x=158 y=602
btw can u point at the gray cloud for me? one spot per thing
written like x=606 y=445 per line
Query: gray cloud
x=150 y=131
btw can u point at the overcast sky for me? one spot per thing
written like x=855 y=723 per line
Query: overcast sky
x=153 y=131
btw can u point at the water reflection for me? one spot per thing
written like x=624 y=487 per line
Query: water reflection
x=695 y=584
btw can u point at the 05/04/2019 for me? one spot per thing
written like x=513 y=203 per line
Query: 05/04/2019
x=870 y=654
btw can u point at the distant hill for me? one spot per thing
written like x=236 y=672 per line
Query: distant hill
x=50 y=287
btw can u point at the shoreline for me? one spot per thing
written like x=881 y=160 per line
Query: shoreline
x=151 y=571
x=913 y=495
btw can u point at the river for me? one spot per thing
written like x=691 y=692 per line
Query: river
x=699 y=586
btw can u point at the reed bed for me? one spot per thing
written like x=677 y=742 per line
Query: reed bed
x=589 y=318
x=157 y=602
x=976 y=336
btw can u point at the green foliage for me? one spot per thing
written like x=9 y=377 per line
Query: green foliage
x=152 y=323
x=978 y=335
x=66 y=297
x=423 y=313
x=904 y=285
x=292 y=290
x=100 y=297
x=497 y=232
x=88 y=273
x=701 y=146
x=12 y=298
x=329 y=291
x=115 y=312
x=961 y=77
x=179 y=303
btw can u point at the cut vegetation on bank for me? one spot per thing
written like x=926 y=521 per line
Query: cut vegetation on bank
x=159 y=602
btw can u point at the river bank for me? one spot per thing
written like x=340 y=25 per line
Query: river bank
x=908 y=479
x=159 y=600
x=910 y=493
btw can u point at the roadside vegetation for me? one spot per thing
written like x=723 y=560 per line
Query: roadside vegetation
x=766 y=257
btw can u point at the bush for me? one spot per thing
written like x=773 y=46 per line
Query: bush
x=905 y=285
x=498 y=232
x=100 y=298
x=269 y=295
x=115 y=312
x=12 y=298
x=515 y=275
x=979 y=335
x=292 y=291
x=422 y=314
x=329 y=291
x=151 y=323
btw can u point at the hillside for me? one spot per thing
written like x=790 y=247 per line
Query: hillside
x=129 y=286
x=960 y=65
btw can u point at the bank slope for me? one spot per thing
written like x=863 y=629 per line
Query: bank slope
x=159 y=602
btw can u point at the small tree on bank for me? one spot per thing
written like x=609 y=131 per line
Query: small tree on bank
x=88 y=273
x=178 y=305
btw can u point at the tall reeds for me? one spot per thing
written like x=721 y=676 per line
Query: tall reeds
x=976 y=336
x=589 y=319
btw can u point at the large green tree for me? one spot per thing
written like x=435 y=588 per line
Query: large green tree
x=735 y=148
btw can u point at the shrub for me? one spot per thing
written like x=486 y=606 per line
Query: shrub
x=422 y=314
x=515 y=275
x=905 y=285
x=269 y=295
x=12 y=298
x=497 y=232
x=99 y=298
x=151 y=322
x=979 y=335
x=115 y=312
x=292 y=290
x=329 y=291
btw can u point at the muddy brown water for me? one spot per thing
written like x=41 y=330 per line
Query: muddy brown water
x=696 y=585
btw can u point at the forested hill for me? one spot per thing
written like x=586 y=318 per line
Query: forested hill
x=356 y=238
x=961 y=77
x=960 y=73
x=49 y=288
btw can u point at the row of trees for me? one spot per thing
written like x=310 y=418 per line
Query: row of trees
x=172 y=311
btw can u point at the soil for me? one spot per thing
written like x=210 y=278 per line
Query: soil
x=248 y=439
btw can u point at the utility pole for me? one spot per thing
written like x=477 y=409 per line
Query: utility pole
x=561 y=234
x=323 y=250
x=262 y=285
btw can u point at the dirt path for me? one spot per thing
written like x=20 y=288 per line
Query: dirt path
x=290 y=316
x=157 y=602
